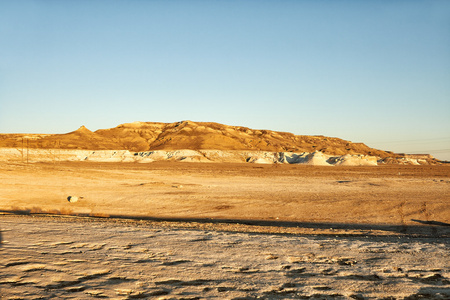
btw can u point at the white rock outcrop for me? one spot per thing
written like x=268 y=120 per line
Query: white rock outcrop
x=231 y=156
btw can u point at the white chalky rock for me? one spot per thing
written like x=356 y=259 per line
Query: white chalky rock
x=72 y=199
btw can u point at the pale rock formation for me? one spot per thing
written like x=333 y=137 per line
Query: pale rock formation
x=224 y=156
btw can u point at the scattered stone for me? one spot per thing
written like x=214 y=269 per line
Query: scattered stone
x=295 y=272
x=434 y=279
x=294 y=259
x=322 y=288
x=222 y=289
x=73 y=199
x=175 y=262
x=123 y=292
x=142 y=294
x=75 y=289
x=372 y=277
x=346 y=261
x=168 y=281
x=96 y=293
x=328 y=271
x=357 y=297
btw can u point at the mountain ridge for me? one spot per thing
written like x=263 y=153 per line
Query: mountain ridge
x=148 y=136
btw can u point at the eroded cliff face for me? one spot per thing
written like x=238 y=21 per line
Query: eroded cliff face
x=188 y=135
x=202 y=156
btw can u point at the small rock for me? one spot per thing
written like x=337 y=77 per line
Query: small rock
x=357 y=297
x=346 y=261
x=322 y=288
x=96 y=293
x=72 y=199
x=432 y=278
x=294 y=260
x=123 y=291
x=271 y=256
x=222 y=289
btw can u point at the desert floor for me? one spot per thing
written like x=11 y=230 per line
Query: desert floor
x=225 y=231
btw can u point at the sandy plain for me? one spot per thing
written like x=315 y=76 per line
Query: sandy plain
x=224 y=231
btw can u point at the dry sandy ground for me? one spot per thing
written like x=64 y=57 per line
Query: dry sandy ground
x=292 y=193
x=44 y=258
x=225 y=231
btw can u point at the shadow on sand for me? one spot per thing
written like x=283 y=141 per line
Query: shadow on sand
x=432 y=229
x=436 y=223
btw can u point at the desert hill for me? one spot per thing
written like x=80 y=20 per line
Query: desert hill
x=145 y=136
x=188 y=135
x=140 y=136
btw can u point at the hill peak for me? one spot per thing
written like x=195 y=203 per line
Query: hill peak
x=83 y=129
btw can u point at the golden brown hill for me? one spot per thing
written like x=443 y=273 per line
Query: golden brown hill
x=144 y=136
x=81 y=138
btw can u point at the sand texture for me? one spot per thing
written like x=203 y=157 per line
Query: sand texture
x=72 y=259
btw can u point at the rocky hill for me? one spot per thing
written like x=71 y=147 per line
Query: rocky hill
x=149 y=136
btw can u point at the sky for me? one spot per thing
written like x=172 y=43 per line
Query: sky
x=376 y=72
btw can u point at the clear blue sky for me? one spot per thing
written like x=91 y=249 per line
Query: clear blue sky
x=376 y=72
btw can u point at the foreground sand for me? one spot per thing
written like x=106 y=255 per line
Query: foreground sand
x=73 y=258
x=224 y=231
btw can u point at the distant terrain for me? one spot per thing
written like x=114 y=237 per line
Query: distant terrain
x=187 y=135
